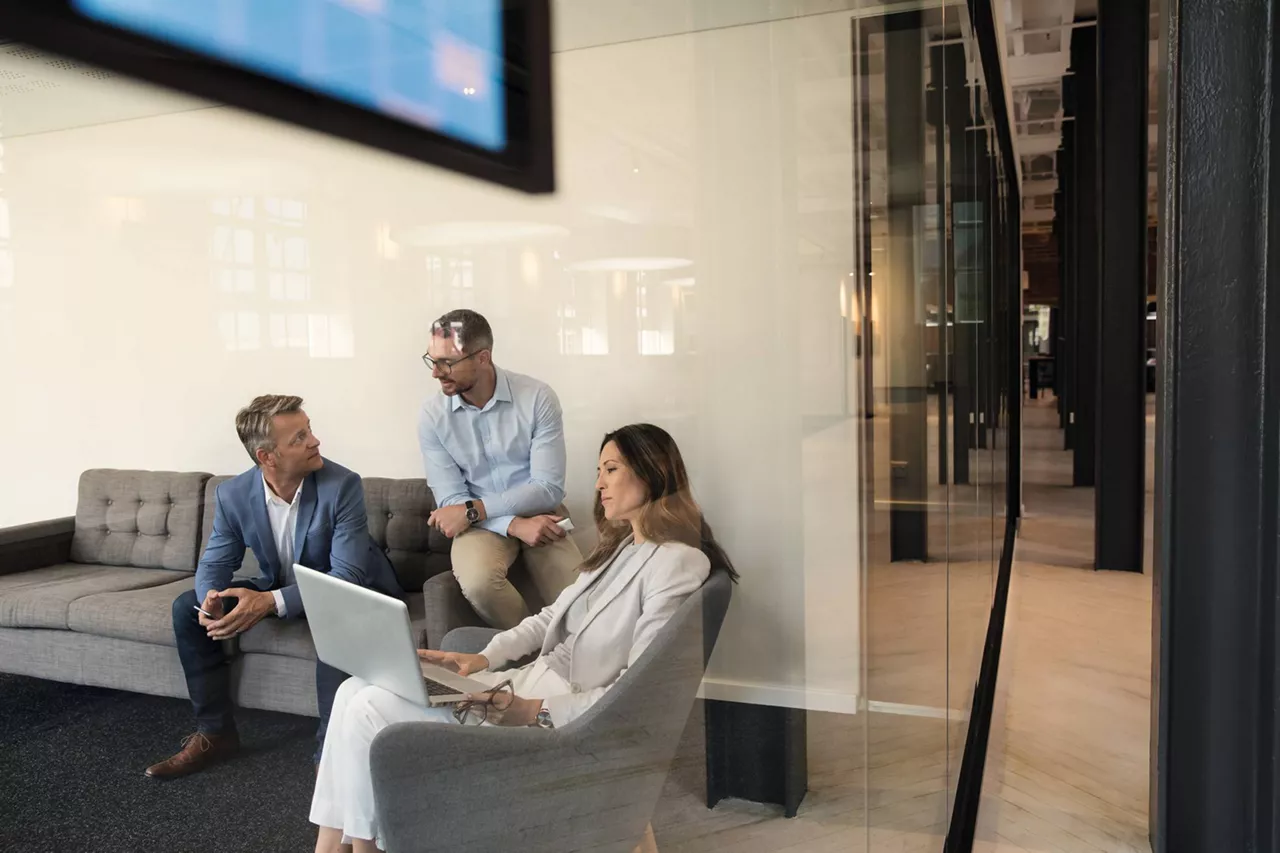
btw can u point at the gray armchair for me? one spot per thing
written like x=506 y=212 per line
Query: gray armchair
x=590 y=786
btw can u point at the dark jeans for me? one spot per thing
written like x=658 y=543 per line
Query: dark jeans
x=208 y=671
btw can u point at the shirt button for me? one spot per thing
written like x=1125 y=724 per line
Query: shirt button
x=575 y=688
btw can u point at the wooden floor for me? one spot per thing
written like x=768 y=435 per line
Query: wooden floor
x=1068 y=761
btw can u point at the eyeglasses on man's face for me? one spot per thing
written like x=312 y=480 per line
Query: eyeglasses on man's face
x=446 y=365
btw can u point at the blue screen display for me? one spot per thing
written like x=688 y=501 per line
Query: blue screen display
x=433 y=63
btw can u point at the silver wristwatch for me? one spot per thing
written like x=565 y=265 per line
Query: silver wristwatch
x=543 y=720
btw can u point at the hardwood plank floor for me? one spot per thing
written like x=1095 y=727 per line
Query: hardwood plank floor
x=1067 y=764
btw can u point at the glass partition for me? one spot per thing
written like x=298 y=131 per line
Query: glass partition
x=931 y=227
x=781 y=237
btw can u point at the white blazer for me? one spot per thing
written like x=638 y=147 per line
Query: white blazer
x=625 y=618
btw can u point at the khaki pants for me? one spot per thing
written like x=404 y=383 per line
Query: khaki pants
x=481 y=560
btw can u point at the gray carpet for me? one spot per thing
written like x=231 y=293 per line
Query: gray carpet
x=71 y=776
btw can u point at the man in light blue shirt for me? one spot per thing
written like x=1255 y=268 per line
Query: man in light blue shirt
x=493 y=447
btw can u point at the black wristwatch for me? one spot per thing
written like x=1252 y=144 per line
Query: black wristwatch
x=473 y=514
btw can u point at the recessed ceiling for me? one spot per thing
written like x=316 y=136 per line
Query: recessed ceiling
x=40 y=92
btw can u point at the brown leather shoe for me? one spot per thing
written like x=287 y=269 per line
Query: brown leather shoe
x=198 y=752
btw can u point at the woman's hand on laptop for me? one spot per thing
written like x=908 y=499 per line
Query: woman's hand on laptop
x=456 y=661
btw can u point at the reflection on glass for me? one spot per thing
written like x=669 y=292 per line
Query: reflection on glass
x=928 y=180
x=450 y=283
x=7 y=335
x=241 y=330
x=584 y=319
x=253 y=239
x=656 y=304
x=797 y=285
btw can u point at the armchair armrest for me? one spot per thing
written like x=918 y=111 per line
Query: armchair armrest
x=34 y=546
x=470 y=641
x=446 y=608
x=527 y=789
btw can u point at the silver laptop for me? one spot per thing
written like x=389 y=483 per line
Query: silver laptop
x=367 y=634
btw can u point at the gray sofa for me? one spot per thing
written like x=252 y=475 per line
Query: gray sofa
x=89 y=599
x=589 y=786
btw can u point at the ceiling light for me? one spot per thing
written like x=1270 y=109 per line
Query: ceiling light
x=630 y=264
x=451 y=234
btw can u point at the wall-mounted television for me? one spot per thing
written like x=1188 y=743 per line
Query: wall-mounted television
x=463 y=84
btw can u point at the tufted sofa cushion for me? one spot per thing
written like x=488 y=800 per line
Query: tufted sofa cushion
x=144 y=519
x=398 y=512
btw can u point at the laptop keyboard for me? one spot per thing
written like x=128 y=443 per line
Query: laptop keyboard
x=435 y=688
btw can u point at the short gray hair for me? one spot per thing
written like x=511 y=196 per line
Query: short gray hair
x=253 y=422
x=470 y=331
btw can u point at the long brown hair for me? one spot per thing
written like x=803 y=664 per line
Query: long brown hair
x=670 y=514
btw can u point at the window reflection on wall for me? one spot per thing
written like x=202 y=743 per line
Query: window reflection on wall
x=450 y=283
x=266 y=240
x=584 y=317
x=656 y=303
x=686 y=297
x=6 y=253
x=7 y=332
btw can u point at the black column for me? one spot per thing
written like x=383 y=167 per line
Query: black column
x=1120 y=495
x=943 y=368
x=909 y=398
x=1068 y=248
x=1084 y=65
x=960 y=249
x=863 y=117
x=986 y=373
x=1216 y=737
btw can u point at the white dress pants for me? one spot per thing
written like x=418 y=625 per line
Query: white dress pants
x=344 y=785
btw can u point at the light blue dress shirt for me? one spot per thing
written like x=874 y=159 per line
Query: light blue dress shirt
x=509 y=454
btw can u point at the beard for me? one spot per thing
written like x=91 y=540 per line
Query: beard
x=457 y=387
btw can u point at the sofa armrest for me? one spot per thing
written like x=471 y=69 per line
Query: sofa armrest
x=34 y=546
x=523 y=788
x=446 y=608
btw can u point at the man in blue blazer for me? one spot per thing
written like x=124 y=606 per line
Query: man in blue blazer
x=292 y=506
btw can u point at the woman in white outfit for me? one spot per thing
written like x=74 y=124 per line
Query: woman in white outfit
x=655 y=549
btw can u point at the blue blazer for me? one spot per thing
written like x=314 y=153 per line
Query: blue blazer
x=332 y=536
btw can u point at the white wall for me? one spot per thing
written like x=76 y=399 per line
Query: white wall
x=167 y=269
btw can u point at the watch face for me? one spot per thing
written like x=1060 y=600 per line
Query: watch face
x=473 y=515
